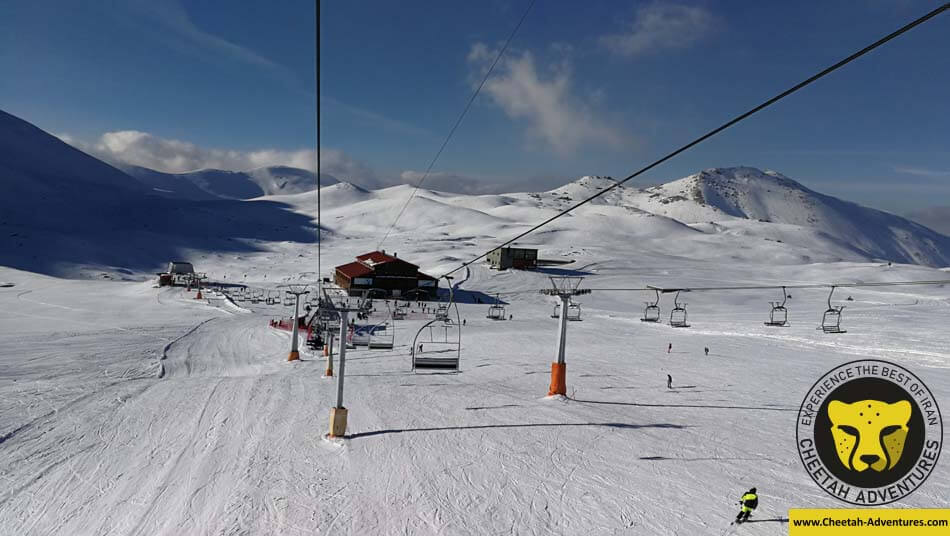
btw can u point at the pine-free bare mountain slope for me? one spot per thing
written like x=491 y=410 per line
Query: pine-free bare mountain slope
x=734 y=197
x=208 y=184
x=66 y=213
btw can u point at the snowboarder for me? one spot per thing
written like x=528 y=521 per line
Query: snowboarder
x=669 y=381
x=748 y=502
x=669 y=348
x=706 y=349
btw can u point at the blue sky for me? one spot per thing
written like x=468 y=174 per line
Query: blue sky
x=586 y=88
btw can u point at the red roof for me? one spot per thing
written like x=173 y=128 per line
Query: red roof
x=354 y=269
x=378 y=257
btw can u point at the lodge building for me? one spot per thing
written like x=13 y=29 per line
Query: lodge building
x=385 y=274
x=508 y=257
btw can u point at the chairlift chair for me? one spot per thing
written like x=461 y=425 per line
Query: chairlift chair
x=574 y=312
x=678 y=314
x=448 y=347
x=778 y=316
x=360 y=335
x=442 y=350
x=497 y=312
x=382 y=336
x=831 y=318
x=651 y=313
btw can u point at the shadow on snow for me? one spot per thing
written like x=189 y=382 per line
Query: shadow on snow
x=619 y=425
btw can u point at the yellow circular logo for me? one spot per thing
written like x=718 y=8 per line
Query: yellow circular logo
x=869 y=432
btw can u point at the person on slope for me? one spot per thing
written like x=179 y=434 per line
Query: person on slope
x=706 y=348
x=748 y=502
x=669 y=348
x=669 y=381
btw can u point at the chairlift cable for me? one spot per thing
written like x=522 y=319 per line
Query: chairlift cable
x=317 y=155
x=768 y=287
x=458 y=122
x=722 y=127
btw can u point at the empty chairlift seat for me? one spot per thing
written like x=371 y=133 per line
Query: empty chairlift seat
x=496 y=312
x=778 y=316
x=382 y=336
x=831 y=318
x=359 y=335
x=437 y=346
x=573 y=311
x=678 y=317
x=651 y=311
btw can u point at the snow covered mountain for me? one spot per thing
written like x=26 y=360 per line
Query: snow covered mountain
x=726 y=195
x=63 y=212
x=207 y=184
x=66 y=213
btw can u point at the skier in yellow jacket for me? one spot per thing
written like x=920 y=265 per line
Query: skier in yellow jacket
x=748 y=502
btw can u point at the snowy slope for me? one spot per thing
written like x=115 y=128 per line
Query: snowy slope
x=36 y=163
x=229 y=439
x=66 y=213
x=208 y=184
x=724 y=195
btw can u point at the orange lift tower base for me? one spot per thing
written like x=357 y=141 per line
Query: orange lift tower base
x=564 y=288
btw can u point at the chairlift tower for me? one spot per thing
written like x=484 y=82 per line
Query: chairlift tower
x=338 y=413
x=198 y=278
x=297 y=291
x=564 y=287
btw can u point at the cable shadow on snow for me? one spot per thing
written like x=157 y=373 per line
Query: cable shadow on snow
x=698 y=406
x=619 y=425
x=772 y=520
x=561 y=271
x=716 y=459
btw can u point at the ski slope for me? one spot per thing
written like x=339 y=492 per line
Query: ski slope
x=229 y=440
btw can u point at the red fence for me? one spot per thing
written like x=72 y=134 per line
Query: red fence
x=287 y=324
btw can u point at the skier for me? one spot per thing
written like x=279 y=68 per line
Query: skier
x=669 y=381
x=420 y=347
x=706 y=348
x=463 y=321
x=669 y=348
x=748 y=502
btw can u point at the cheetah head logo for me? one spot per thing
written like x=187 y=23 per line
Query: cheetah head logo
x=869 y=433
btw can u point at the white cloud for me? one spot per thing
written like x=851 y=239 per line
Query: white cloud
x=133 y=147
x=171 y=20
x=659 y=26
x=921 y=172
x=453 y=182
x=555 y=116
x=482 y=184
